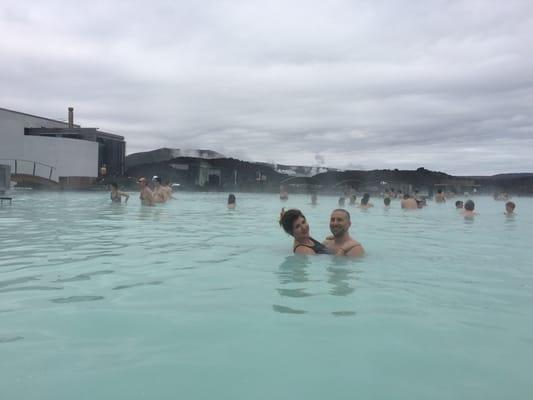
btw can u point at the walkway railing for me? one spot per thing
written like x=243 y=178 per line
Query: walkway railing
x=28 y=167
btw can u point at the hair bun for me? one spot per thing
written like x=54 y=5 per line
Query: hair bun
x=281 y=214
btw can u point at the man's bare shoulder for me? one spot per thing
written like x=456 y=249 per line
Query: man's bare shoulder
x=353 y=248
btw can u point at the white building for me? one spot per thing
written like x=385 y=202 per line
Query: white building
x=57 y=151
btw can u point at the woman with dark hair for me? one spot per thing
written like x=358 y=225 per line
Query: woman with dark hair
x=116 y=195
x=294 y=223
x=232 y=201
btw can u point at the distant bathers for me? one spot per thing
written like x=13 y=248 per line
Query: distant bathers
x=317 y=247
x=115 y=198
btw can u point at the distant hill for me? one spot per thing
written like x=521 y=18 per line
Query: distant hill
x=208 y=169
x=513 y=175
x=166 y=154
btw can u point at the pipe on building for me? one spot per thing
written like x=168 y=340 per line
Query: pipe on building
x=71 y=117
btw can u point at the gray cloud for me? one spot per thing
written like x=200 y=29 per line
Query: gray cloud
x=447 y=85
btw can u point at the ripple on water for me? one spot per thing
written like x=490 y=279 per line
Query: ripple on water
x=343 y=313
x=85 y=276
x=28 y=288
x=287 y=310
x=10 y=339
x=300 y=292
x=76 y=299
x=120 y=287
x=17 y=281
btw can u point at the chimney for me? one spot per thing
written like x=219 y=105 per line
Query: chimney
x=71 y=117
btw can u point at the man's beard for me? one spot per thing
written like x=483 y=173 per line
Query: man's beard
x=338 y=232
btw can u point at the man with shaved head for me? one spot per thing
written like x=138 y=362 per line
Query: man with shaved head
x=341 y=243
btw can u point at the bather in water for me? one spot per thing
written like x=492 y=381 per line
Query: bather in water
x=341 y=243
x=145 y=194
x=365 y=203
x=294 y=223
x=232 y=202
x=160 y=194
x=117 y=195
x=509 y=208
x=469 y=209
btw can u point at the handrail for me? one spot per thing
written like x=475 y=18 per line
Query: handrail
x=35 y=163
x=31 y=161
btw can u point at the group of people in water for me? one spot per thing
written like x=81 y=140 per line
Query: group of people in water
x=159 y=193
x=294 y=223
x=341 y=242
x=149 y=196
x=407 y=201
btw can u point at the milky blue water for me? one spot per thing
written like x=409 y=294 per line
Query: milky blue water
x=189 y=300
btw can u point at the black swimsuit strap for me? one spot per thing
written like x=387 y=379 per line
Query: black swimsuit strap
x=304 y=245
x=317 y=247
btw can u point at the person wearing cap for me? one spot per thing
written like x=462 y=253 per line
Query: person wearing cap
x=145 y=194
x=159 y=194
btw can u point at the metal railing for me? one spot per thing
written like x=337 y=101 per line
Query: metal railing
x=27 y=167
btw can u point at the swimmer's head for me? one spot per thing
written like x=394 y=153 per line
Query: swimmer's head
x=231 y=199
x=405 y=196
x=458 y=204
x=156 y=179
x=510 y=206
x=386 y=201
x=342 y=210
x=294 y=223
x=339 y=222
x=364 y=200
x=439 y=191
x=469 y=205
x=142 y=182
x=114 y=185
x=341 y=201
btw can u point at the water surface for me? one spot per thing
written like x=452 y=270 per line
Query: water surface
x=190 y=300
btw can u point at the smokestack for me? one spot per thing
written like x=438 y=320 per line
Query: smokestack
x=71 y=117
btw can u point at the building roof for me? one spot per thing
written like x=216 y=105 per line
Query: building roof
x=36 y=116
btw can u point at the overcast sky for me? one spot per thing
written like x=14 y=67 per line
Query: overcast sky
x=447 y=85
